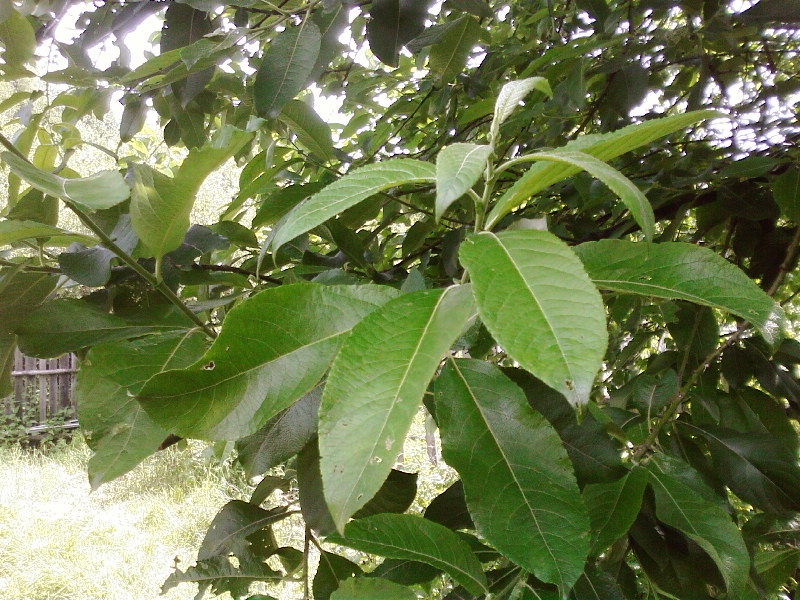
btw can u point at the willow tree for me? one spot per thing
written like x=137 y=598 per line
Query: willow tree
x=567 y=230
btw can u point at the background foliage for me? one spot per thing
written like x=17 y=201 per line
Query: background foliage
x=521 y=215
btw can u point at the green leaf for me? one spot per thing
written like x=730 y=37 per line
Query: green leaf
x=286 y=68
x=372 y=588
x=630 y=195
x=786 y=190
x=613 y=507
x=112 y=373
x=309 y=488
x=537 y=301
x=279 y=202
x=233 y=524
x=458 y=168
x=101 y=190
x=16 y=231
x=602 y=146
x=681 y=271
x=774 y=568
x=392 y=24
x=450 y=508
x=756 y=467
x=250 y=374
x=312 y=132
x=395 y=496
x=161 y=205
x=332 y=570
x=704 y=522
x=349 y=191
x=19 y=42
x=449 y=56
x=375 y=388
x=518 y=481
x=511 y=94
x=281 y=437
x=221 y=575
x=413 y=538
x=88 y=266
x=67 y=325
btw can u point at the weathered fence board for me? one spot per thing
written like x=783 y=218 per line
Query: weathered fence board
x=48 y=384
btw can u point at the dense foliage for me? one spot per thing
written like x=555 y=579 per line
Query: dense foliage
x=566 y=229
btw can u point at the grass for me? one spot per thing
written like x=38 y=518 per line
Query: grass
x=60 y=541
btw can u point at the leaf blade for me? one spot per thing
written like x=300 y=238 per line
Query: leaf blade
x=458 y=168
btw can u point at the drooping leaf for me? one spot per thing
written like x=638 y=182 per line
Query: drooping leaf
x=682 y=271
x=413 y=538
x=395 y=496
x=115 y=425
x=372 y=588
x=450 y=508
x=89 y=266
x=161 y=205
x=16 y=231
x=309 y=487
x=349 y=191
x=449 y=56
x=458 y=168
x=602 y=146
x=66 y=325
x=375 y=388
x=518 y=481
x=392 y=24
x=537 y=301
x=679 y=506
x=101 y=190
x=613 y=507
x=233 y=524
x=251 y=372
x=312 y=132
x=281 y=437
x=286 y=67
x=511 y=94
x=627 y=191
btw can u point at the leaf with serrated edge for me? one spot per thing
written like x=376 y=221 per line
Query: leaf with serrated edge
x=273 y=349
x=679 y=506
x=537 y=301
x=511 y=94
x=613 y=507
x=681 y=271
x=458 y=168
x=375 y=388
x=348 y=191
x=603 y=146
x=623 y=187
x=414 y=538
x=518 y=480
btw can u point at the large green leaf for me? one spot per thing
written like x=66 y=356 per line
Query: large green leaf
x=332 y=570
x=101 y=190
x=613 y=507
x=16 y=231
x=161 y=205
x=117 y=428
x=537 y=301
x=630 y=195
x=449 y=56
x=414 y=538
x=392 y=24
x=67 y=325
x=518 y=481
x=286 y=67
x=602 y=146
x=372 y=588
x=458 y=168
x=375 y=388
x=273 y=349
x=18 y=39
x=349 y=191
x=312 y=132
x=681 y=271
x=704 y=522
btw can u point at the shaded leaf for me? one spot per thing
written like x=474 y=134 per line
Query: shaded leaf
x=372 y=588
x=332 y=570
x=392 y=24
x=413 y=538
x=449 y=56
x=450 y=508
x=786 y=190
x=312 y=132
x=613 y=507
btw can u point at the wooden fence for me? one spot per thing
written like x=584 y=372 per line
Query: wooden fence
x=45 y=387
